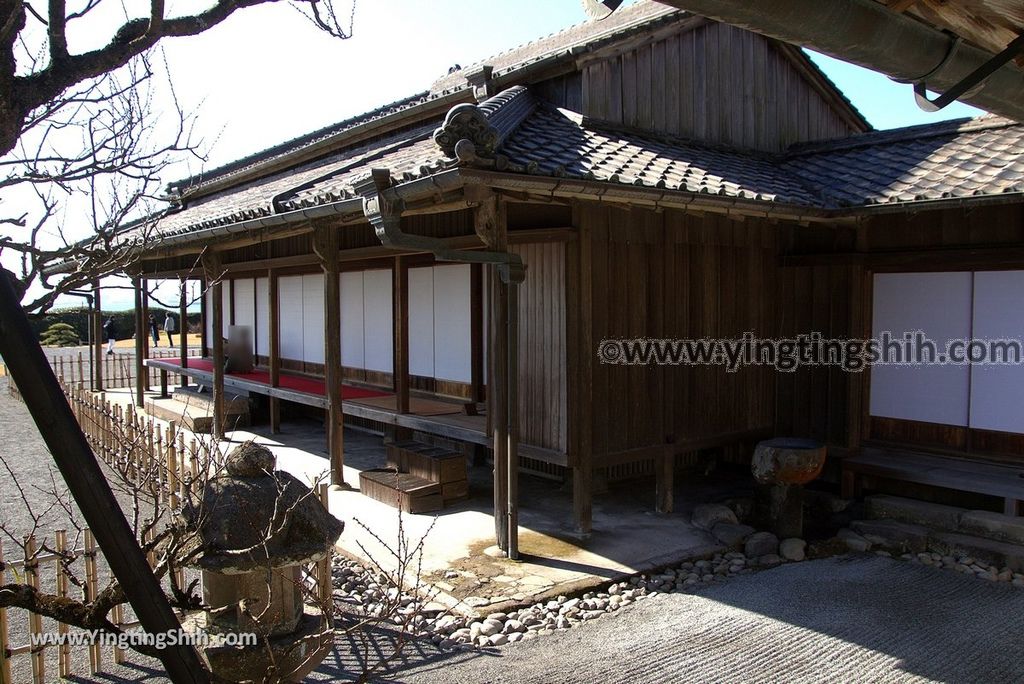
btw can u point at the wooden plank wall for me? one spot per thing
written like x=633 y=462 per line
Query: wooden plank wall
x=542 y=347
x=817 y=402
x=686 y=276
x=995 y=226
x=674 y=275
x=715 y=83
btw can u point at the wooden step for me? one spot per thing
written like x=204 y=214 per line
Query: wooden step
x=198 y=419
x=234 y=402
x=404 y=491
x=429 y=462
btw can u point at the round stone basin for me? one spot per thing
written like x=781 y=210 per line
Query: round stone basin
x=787 y=461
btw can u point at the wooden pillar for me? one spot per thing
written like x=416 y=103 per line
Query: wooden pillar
x=231 y=302
x=512 y=394
x=581 y=389
x=497 y=405
x=204 y=350
x=212 y=266
x=274 y=353
x=490 y=225
x=183 y=329
x=98 y=338
x=149 y=330
x=400 y=367
x=325 y=244
x=140 y=343
x=476 y=318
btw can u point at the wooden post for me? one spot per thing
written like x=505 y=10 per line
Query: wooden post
x=203 y=314
x=664 y=466
x=274 y=351
x=498 y=406
x=212 y=266
x=512 y=392
x=476 y=318
x=97 y=342
x=325 y=244
x=400 y=367
x=183 y=330
x=91 y=591
x=140 y=343
x=581 y=390
x=35 y=620
x=490 y=226
x=149 y=331
x=63 y=650
x=5 y=661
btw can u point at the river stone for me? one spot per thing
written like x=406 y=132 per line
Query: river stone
x=793 y=549
x=490 y=627
x=732 y=534
x=706 y=516
x=761 y=544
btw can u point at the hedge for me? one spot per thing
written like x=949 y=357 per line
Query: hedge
x=124 y=321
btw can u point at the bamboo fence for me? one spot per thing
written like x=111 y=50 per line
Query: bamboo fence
x=118 y=369
x=164 y=459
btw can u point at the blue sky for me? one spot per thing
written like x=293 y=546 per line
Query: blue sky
x=266 y=75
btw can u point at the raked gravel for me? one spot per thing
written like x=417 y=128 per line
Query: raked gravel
x=843 y=619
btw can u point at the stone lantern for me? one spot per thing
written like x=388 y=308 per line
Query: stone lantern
x=255 y=528
x=781 y=467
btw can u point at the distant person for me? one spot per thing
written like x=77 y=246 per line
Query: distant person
x=170 y=327
x=153 y=328
x=110 y=330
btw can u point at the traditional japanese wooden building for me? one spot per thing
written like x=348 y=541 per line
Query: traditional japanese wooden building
x=449 y=263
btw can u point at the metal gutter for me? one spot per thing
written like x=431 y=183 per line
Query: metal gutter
x=657 y=197
x=867 y=33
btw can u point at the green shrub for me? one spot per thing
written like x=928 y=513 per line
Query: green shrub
x=60 y=335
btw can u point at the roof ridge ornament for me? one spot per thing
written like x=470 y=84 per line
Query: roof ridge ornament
x=466 y=134
x=472 y=133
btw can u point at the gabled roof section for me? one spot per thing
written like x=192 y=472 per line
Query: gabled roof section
x=513 y=66
x=522 y=138
x=445 y=92
x=566 y=145
x=300 y=142
x=626 y=21
x=947 y=160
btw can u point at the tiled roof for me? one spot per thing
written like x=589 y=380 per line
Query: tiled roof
x=963 y=159
x=954 y=159
x=559 y=143
x=409 y=152
x=621 y=23
x=297 y=144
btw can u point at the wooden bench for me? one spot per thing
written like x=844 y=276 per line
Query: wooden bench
x=993 y=479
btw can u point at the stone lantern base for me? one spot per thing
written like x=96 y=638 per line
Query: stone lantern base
x=781 y=467
x=274 y=597
x=294 y=655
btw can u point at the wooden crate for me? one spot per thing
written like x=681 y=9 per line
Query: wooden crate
x=405 y=491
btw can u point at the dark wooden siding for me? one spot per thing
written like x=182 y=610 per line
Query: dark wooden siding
x=687 y=276
x=542 y=348
x=713 y=83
